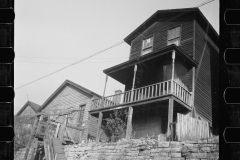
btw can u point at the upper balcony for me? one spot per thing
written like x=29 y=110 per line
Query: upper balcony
x=145 y=94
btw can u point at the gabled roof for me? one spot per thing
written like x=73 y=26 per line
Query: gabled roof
x=65 y=83
x=34 y=106
x=170 y=14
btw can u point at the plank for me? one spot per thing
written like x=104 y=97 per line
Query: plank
x=31 y=137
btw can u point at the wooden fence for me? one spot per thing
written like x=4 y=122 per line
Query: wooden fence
x=188 y=128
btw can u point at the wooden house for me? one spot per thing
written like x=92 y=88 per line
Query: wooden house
x=172 y=68
x=71 y=96
x=29 y=109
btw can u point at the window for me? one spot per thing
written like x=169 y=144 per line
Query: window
x=174 y=36
x=81 y=114
x=147 y=45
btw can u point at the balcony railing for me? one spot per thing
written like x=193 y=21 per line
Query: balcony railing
x=144 y=93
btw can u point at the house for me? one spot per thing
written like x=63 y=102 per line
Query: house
x=172 y=68
x=29 y=109
x=70 y=95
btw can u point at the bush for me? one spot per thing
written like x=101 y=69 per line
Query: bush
x=22 y=129
x=115 y=126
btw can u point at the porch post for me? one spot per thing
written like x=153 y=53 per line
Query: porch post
x=99 y=126
x=129 y=123
x=134 y=77
x=170 y=116
x=104 y=91
x=173 y=65
x=193 y=94
x=87 y=128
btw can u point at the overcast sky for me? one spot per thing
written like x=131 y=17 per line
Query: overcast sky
x=50 y=35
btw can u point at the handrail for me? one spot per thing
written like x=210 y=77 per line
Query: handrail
x=143 y=93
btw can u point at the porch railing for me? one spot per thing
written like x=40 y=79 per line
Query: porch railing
x=144 y=93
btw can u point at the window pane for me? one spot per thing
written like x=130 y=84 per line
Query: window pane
x=174 y=33
x=147 y=42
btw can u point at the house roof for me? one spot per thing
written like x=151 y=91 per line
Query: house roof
x=166 y=15
x=33 y=105
x=65 y=83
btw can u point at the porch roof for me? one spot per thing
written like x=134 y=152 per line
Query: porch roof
x=125 y=69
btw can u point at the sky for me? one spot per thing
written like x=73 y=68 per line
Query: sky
x=50 y=35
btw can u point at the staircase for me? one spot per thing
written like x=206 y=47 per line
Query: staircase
x=44 y=134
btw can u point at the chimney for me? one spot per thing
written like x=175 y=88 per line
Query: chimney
x=117 y=96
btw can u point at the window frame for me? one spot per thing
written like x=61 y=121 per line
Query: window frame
x=82 y=108
x=180 y=31
x=144 y=49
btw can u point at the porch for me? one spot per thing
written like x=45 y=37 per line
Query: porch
x=145 y=94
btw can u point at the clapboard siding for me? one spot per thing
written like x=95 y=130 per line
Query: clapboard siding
x=68 y=97
x=159 y=31
x=28 y=111
x=203 y=87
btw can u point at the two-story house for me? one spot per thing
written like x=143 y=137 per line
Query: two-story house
x=172 y=68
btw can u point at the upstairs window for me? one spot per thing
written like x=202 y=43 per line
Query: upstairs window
x=174 y=36
x=147 y=45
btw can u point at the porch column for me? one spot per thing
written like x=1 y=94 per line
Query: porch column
x=170 y=115
x=134 y=77
x=87 y=128
x=173 y=65
x=193 y=94
x=104 y=91
x=99 y=126
x=129 y=123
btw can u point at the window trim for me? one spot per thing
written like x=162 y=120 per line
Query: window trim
x=180 y=37
x=143 y=49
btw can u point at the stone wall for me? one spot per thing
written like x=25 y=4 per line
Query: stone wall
x=146 y=149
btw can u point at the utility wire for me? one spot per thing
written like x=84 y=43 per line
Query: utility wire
x=67 y=63
x=71 y=64
x=64 y=58
x=202 y=4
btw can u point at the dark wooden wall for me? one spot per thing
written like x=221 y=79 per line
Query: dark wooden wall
x=159 y=30
x=206 y=73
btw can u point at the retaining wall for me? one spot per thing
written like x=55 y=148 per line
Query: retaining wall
x=145 y=149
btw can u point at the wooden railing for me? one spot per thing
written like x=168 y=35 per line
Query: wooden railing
x=182 y=93
x=144 y=93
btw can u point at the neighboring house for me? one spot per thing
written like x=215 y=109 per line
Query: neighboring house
x=29 y=109
x=72 y=96
x=172 y=68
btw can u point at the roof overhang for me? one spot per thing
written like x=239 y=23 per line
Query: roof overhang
x=119 y=71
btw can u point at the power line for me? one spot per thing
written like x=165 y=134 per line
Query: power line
x=72 y=64
x=66 y=63
x=64 y=58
